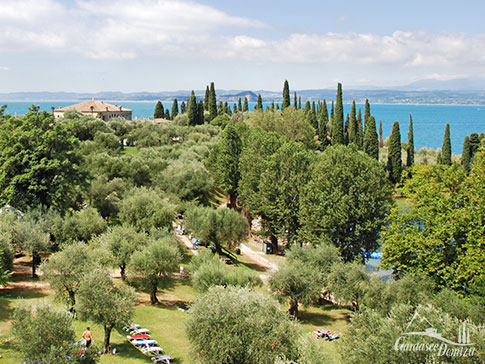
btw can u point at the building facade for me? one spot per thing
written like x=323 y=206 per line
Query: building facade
x=96 y=109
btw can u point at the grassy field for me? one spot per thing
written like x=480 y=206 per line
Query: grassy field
x=165 y=321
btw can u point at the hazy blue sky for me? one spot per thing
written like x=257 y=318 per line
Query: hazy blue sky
x=154 y=45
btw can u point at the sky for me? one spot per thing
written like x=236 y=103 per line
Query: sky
x=168 y=45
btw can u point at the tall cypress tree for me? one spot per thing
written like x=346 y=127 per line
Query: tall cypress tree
x=299 y=102
x=394 y=162
x=212 y=102
x=246 y=105
x=200 y=113
x=313 y=117
x=167 y=114
x=346 y=129
x=175 y=108
x=371 y=143
x=220 y=108
x=295 y=101
x=192 y=112
x=446 y=150
x=366 y=113
x=239 y=105
x=352 y=132
x=338 y=120
x=381 y=136
x=322 y=125
x=183 y=108
x=410 y=154
x=159 y=112
x=474 y=145
x=360 y=131
x=272 y=105
x=206 y=98
x=286 y=96
x=466 y=155
x=234 y=108
x=259 y=104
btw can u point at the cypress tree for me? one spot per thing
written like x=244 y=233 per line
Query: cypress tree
x=360 y=132
x=272 y=105
x=394 y=162
x=234 y=107
x=227 y=109
x=338 y=120
x=366 y=113
x=446 y=150
x=200 y=113
x=246 y=105
x=295 y=101
x=286 y=96
x=277 y=106
x=183 y=108
x=322 y=120
x=438 y=158
x=206 y=98
x=324 y=114
x=299 y=102
x=381 y=137
x=307 y=109
x=346 y=129
x=332 y=114
x=239 y=105
x=212 y=102
x=410 y=154
x=220 y=108
x=175 y=108
x=352 y=132
x=313 y=117
x=466 y=154
x=371 y=143
x=167 y=114
x=192 y=112
x=159 y=112
x=259 y=105
x=474 y=145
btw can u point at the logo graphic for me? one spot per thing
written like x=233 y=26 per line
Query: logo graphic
x=443 y=347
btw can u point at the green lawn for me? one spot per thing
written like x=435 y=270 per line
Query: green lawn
x=165 y=321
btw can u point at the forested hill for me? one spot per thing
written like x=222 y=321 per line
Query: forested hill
x=374 y=96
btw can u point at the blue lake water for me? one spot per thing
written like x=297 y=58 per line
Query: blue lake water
x=429 y=121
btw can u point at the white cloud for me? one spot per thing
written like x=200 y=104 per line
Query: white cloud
x=3 y=68
x=176 y=29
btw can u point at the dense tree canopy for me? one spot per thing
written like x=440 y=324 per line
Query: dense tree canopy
x=40 y=163
x=442 y=233
x=346 y=201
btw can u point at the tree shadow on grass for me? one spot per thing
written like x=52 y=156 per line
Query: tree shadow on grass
x=324 y=318
x=127 y=351
x=253 y=266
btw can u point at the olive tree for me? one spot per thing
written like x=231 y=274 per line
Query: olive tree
x=236 y=325
x=145 y=209
x=297 y=283
x=154 y=263
x=121 y=241
x=103 y=302
x=65 y=271
x=223 y=227
x=42 y=333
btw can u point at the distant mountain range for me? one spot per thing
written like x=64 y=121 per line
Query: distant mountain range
x=430 y=91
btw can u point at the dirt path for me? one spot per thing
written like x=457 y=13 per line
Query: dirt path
x=188 y=244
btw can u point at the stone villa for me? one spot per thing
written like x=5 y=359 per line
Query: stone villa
x=96 y=109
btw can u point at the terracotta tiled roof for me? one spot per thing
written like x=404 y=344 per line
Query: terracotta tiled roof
x=93 y=106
